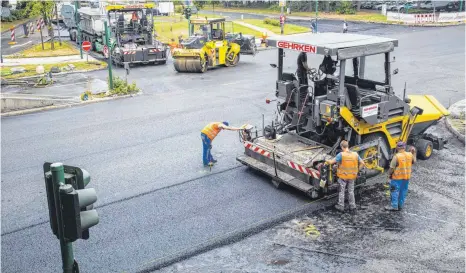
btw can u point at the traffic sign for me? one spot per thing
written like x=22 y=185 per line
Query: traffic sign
x=282 y=19
x=105 y=51
x=282 y=3
x=86 y=45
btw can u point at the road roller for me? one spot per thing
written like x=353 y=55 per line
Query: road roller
x=209 y=46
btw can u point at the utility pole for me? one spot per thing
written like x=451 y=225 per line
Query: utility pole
x=317 y=11
x=281 y=16
x=77 y=19
x=58 y=23
x=109 y=60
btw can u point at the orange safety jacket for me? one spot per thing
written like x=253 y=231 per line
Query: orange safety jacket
x=403 y=166
x=212 y=130
x=348 y=168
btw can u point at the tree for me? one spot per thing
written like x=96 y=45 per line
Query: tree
x=44 y=8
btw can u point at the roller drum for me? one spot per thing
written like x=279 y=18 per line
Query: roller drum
x=188 y=65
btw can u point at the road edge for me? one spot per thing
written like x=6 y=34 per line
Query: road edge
x=61 y=106
x=453 y=130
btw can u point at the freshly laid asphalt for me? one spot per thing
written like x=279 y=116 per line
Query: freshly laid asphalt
x=144 y=156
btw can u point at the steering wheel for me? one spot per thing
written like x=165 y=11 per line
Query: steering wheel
x=313 y=75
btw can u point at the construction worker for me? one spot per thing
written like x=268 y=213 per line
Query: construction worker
x=349 y=164
x=345 y=26
x=399 y=175
x=208 y=134
x=303 y=69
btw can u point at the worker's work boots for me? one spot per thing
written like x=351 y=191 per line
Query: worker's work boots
x=340 y=208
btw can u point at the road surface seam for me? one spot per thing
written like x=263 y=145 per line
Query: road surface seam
x=132 y=197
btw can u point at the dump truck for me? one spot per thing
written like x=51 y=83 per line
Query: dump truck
x=313 y=119
x=210 y=46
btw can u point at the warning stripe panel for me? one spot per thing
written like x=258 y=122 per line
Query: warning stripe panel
x=304 y=170
x=256 y=149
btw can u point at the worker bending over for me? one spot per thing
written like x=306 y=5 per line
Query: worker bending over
x=400 y=173
x=208 y=134
x=349 y=164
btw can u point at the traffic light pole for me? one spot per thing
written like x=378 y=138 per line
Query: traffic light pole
x=58 y=178
x=109 y=60
x=78 y=39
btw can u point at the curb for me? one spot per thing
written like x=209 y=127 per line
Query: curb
x=40 y=109
x=453 y=130
x=57 y=74
x=298 y=18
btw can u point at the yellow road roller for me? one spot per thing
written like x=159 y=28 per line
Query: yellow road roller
x=207 y=47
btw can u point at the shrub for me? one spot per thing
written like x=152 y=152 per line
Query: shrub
x=120 y=87
x=179 y=9
x=274 y=7
x=345 y=7
x=272 y=22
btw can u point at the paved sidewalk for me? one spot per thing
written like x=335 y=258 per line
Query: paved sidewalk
x=261 y=30
x=44 y=60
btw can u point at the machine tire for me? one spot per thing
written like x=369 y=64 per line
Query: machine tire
x=203 y=66
x=383 y=162
x=424 y=148
x=234 y=62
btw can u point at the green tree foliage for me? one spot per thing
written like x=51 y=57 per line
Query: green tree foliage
x=45 y=9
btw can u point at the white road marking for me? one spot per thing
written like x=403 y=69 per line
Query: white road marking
x=21 y=44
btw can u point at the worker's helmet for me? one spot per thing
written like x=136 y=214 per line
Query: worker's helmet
x=226 y=123
x=401 y=145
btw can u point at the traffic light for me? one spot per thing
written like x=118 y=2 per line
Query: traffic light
x=187 y=13
x=77 y=219
x=75 y=213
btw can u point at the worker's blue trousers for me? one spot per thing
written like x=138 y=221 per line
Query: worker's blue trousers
x=206 y=148
x=399 y=190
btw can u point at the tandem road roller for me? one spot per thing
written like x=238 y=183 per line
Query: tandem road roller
x=210 y=46
x=313 y=119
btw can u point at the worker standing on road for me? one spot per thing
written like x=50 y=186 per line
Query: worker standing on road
x=208 y=134
x=349 y=164
x=303 y=69
x=345 y=26
x=400 y=173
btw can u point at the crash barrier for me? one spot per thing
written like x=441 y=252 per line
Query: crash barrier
x=423 y=18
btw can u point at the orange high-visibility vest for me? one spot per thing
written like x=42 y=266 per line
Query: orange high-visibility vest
x=212 y=130
x=348 y=168
x=403 y=168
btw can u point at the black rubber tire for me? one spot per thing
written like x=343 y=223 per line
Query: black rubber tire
x=383 y=162
x=422 y=147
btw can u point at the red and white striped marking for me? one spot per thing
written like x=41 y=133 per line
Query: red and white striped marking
x=129 y=52
x=40 y=24
x=424 y=18
x=13 y=38
x=256 y=149
x=304 y=170
x=154 y=50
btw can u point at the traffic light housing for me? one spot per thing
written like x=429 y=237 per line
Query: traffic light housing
x=77 y=219
x=187 y=13
x=74 y=200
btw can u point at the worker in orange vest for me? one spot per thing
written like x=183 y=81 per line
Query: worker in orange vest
x=349 y=164
x=399 y=175
x=208 y=134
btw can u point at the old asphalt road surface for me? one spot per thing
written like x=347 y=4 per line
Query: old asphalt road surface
x=33 y=39
x=156 y=201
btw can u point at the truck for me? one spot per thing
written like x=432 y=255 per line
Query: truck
x=131 y=31
x=166 y=8
x=312 y=119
